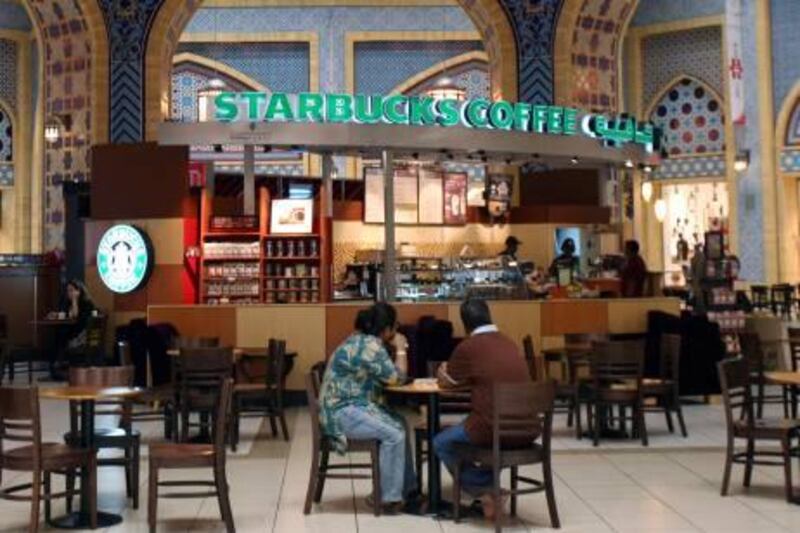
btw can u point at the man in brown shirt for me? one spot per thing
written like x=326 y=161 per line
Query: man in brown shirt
x=485 y=358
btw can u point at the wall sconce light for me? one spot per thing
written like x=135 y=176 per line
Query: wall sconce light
x=661 y=209
x=56 y=126
x=647 y=191
x=742 y=160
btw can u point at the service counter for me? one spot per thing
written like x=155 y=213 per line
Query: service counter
x=314 y=330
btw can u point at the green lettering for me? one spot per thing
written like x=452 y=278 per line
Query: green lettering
x=475 y=113
x=369 y=109
x=339 y=108
x=279 y=109
x=555 y=119
x=391 y=113
x=570 y=121
x=309 y=107
x=253 y=102
x=225 y=108
x=421 y=111
x=501 y=115
x=539 y=118
x=448 y=112
x=522 y=116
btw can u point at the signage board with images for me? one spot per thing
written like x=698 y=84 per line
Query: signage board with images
x=455 y=198
x=124 y=258
x=406 y=195
x=498 y=194
x=431 y=196
x=289 y=217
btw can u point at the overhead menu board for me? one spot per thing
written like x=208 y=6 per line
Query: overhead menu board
x=406 y=195
x=373 y=195
x=455 y=198
x=431 y=196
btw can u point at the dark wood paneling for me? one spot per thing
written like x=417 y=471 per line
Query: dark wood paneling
x=27 y=294
x=164 y=287
x=561 y=214
x=562 y=317
x=131 y=181
x=560 y=187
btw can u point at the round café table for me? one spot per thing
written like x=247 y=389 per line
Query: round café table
x=87 y=396
x=783 y=378
x=431 y=391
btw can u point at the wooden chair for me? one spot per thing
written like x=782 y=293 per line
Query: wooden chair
x=737 y=396
x=753 y=353
x=567 y=386
x=318 y=371
x=13 y=358
x=782 y=296
x=322 y=470
x=616 y=381
x=200 y=371
x=20 y=421
x=665 y=388
x=522 y=421
x=92 y=353
x=794 y=362
x=124 y=437
x=182 y=456
x=269 y=392
x=759 y=296
x=534 y=364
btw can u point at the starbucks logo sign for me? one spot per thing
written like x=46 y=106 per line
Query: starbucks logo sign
x=123 y=258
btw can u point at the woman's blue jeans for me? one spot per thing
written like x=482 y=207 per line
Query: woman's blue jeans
x=397 y=466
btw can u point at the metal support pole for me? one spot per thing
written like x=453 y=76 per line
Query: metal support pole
x=327 y=170
x=389 y=264
x=249 y=180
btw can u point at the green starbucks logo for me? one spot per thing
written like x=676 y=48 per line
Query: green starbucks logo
x=123 y=258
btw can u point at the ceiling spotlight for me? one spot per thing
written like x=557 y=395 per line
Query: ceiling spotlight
x=575 y=160
x=647 y=191
x=415 y=155
x=266 y=148
x=536 y=156
x=628 y=163
x=508 y=161
x=218 y=148
x=484 y=159
x=742 y=161
x=647 y=169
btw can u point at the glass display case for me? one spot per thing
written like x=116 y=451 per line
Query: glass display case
x=426 y=279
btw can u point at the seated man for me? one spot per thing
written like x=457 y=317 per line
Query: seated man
x=485 y=358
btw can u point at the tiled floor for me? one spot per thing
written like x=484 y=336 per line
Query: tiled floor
x=671 y=486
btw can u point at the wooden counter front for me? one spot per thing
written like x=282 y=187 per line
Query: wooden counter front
x=314 y=330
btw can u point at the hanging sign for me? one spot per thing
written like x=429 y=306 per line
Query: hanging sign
x=405 y=110
x=733 y=36
x=498 y=194
x=124 y=258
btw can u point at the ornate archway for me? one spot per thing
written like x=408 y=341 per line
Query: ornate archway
x=488 y=16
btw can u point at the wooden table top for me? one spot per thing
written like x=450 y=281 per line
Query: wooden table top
x=570 y=349
x=420 y=386
x=88 y=392
x=54 y=322
x=783 y=378
x=238 y=352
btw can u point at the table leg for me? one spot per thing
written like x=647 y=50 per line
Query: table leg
x=82 y=519
x=434 y=467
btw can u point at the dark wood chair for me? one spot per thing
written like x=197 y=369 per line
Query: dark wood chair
x=753 y=353
x=318 y=371
x=617 y=369
x=522 y=421
x=759 y=297
x=737 y=397
x=452 y=403
x=665 y=388
x=123 y=437
x=535 y=366
x=13 y=359
x=182 y=456
x=92 y=352
x=265 y=398
x=782 y=296
x=20 y=421
x=794 y=362
x=199 y=373
x=322 y=470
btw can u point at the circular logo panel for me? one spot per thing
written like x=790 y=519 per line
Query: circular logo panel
x=123 y=258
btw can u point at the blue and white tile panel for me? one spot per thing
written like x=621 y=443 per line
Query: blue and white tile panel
x=709 y=166
x=790 y=160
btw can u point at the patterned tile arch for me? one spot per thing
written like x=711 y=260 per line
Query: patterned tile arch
x=473 y=76
x=708 y=166
x=793 y=131
x=8 y=67
x=790 y=160
x=6 y=149
x=691 y=117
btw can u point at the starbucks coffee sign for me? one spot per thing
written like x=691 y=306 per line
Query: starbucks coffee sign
x=405 y=110
x=124 y=258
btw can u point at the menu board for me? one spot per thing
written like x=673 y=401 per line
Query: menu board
x=406 y=196
x=476 y=190
x=431 y=196
x=455 y=198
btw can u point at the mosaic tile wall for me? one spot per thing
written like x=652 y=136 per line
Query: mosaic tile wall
x=6 y=149
x=709 y=166
x=281 y=66
x=406 y=58
x=67 y=91
x=596 y=41
x=696 y=53
x=691 y=118
x=13 y=16
x=790 y=160
x=659 y=11
x=793 y=130
x=8 y=68
x=472 y=76
x=785 y=43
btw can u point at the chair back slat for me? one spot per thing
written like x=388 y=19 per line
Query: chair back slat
x=196 y=342
x=222 y=417
x=101 y=376
x=530 y=357
x=734 y=380
x=615 y=361
x=312 y=394
x=318 y=374
x=202 y=371
x=522 y=410
x=20 y=418
x=794 y=348
x=670 y=367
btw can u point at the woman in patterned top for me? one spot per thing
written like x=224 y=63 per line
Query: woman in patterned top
x=352 y=404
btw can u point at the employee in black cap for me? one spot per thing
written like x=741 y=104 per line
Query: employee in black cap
x=510 y=251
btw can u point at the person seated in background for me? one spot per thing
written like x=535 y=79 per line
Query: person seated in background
x=76 y=309
x=352 y=405
x=484 y=358
x=634 y=273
